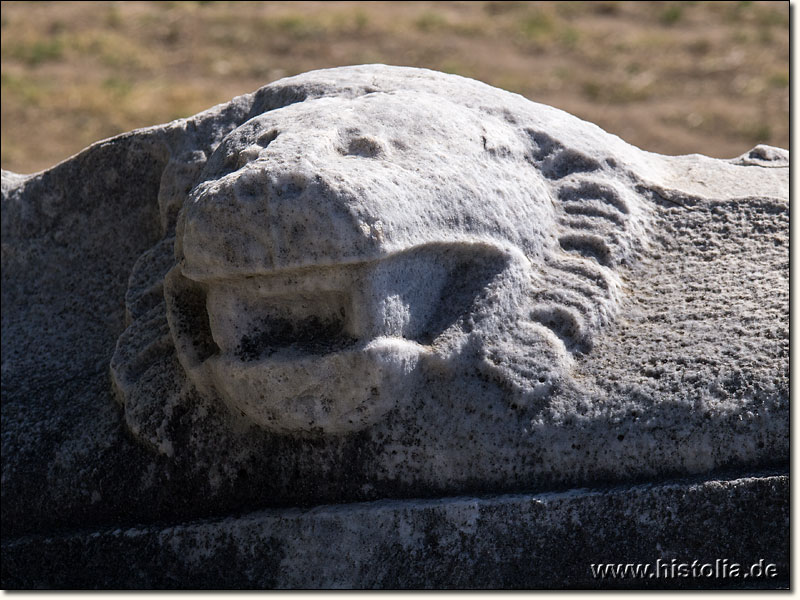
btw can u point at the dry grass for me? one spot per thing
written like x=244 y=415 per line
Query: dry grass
x=671 y=77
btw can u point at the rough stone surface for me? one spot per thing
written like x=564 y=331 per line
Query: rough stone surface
x=381 y=282
x=547 y=541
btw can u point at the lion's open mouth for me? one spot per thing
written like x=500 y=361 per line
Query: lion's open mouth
x=252 y=326
x=315 y=348
x=301 y=350
x=282 y=331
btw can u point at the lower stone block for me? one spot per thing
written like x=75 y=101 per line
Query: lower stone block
x=721 y=533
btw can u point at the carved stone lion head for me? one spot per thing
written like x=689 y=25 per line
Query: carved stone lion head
x=330 y=246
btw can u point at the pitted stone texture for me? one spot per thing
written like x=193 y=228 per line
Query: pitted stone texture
x=526 y=541
x=438 y=287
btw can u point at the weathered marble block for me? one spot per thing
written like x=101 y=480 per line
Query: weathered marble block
x=379 y=282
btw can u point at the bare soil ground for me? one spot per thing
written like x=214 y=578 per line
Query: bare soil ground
x=670 y=77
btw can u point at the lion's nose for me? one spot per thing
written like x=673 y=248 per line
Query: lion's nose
x=269 y=218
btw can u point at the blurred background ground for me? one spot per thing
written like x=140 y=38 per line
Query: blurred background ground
x=670 y=77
